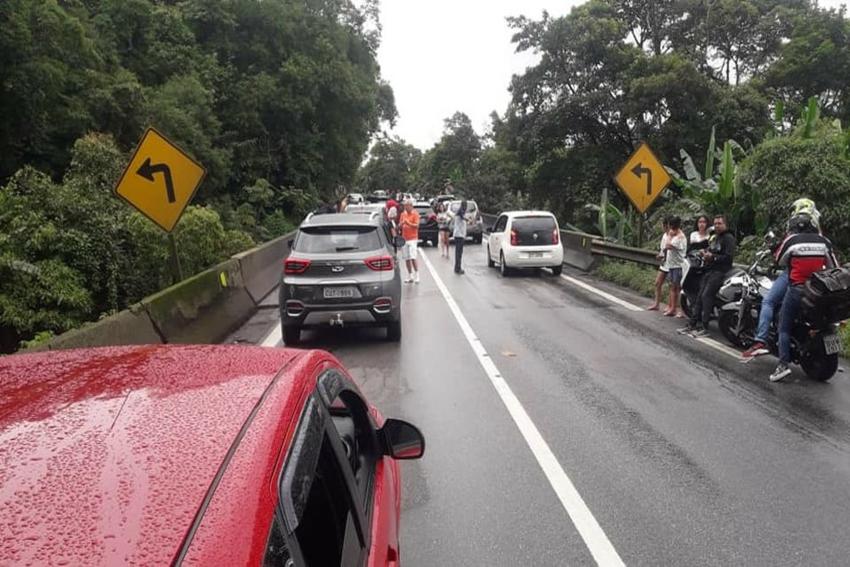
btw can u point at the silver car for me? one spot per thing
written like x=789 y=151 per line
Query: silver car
x=341 y=272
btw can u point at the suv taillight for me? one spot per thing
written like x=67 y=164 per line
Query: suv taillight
x=295 y=266
x=514 y=237
x=556 y=238
x=380 y=263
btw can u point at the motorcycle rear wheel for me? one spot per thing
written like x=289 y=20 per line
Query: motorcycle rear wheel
x=818 y=365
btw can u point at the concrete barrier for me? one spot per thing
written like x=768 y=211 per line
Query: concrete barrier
x=129 y=327
x=261 y=266
x=577 y=249
x=204 y=308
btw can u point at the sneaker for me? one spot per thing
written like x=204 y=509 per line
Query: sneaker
x=408 y=279
x=699 y=333
x=687 y=329
x=758 y=349
x=416 y=277
x=782 y=370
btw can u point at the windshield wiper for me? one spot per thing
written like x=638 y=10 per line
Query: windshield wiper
x=346 y=248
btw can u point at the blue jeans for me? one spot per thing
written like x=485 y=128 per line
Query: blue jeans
x=787 y=316
x=769 y=305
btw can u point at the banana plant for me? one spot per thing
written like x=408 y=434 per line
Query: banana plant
x=612 y=223
x=809 y=117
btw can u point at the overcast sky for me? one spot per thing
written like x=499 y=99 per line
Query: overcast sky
x=441 y=56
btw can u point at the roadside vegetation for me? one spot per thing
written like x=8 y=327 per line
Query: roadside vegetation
x=277 y=99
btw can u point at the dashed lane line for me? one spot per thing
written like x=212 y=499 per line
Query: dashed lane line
x=591 y=532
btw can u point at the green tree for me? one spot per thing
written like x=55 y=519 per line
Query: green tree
x=391 y=166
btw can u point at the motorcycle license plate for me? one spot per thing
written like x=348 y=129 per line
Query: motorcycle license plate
x=832 y=344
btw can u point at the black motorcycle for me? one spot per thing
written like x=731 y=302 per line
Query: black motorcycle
x=693 y=279
x=815 y=344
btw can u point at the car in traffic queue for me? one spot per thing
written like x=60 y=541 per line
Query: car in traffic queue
x=428 y=228
x=355 y=198
x=341 y=272
x=196 y=455
x=474 y=222
x=525 y=239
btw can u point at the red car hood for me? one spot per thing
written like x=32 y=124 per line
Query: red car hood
x=106 y=454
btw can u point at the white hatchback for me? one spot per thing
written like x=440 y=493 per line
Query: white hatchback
x=525 y=239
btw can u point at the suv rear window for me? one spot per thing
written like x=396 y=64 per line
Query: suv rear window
x=533 y=224
x=320 y=240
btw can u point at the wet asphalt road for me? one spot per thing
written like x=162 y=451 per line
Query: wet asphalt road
x=683 y=455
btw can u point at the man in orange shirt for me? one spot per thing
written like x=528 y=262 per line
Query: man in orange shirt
x=409 y=223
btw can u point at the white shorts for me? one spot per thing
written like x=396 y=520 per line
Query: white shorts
x=408 y=251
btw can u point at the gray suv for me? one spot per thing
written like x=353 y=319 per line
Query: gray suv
x=341 y=272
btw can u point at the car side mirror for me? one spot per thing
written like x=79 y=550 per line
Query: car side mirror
x=290 y=242
x=401 y=440
x=489 y=229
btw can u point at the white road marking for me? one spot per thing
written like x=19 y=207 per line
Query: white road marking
x=597 y=542
x=274 y=337
x=600 y=293
x=718 y=346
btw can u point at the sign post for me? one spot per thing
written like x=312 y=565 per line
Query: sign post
x=159 y=182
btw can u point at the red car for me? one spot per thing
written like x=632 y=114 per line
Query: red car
x=200 y=455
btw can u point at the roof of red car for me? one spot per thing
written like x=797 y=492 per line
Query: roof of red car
x=106 y=454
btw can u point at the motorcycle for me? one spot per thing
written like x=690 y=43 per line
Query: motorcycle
x=815 y=346
x=693 y=277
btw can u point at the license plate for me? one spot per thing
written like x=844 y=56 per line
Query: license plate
x=339 y=292
x=535 y=254
x=832 y=344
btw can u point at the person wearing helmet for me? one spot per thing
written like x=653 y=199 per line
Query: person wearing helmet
x=772 y=302
x=803 y=252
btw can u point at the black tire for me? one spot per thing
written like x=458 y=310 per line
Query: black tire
x=394 y=331
x=291 y=336
x=490 y=262
x=556 y=270
x=818 y=365
x=503 y=266
x=727 y=322
x=478 y=238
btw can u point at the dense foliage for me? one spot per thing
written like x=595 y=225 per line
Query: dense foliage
x=613 y=73
x=278 y=99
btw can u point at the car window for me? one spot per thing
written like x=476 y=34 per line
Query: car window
x=423 y=211
x=350 y=417
x=324 y=518
x=533 y=224
x=501 y=224
x=320 y=240
x=277 y=553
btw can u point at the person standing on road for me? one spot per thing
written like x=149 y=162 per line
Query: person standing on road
x=444 y=229
x=409 y=225
x=458 y=224
x=718 y=260
x=677 y=244
x=661 y=276
x=692 y=273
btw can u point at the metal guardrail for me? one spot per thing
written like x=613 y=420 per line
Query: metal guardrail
x=582 y=244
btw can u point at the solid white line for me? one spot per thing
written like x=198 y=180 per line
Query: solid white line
x=274 y=337
x=720 y=347
x=599 y=292
x=595 y=539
